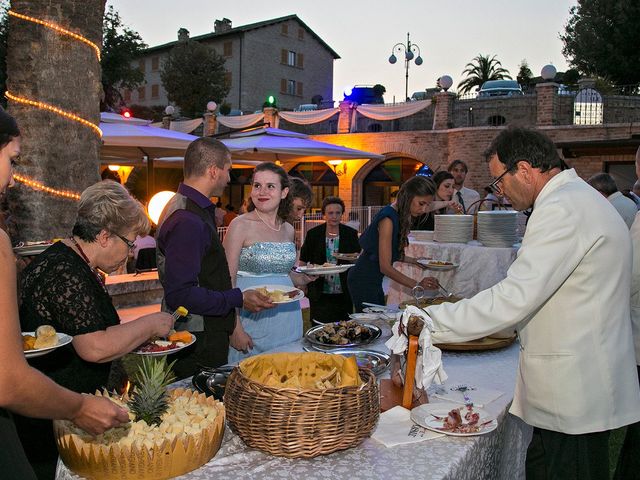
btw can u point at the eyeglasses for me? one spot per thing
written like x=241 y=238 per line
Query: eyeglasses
x=495 y=188
x=129 y=243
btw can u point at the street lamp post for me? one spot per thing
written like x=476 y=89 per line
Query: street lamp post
x=410 y=50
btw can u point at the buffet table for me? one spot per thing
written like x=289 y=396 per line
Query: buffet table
x=499 y=454
x=478 y=268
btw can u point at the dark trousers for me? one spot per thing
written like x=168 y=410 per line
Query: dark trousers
x=13 y=461
x=629 y=460
x=559 y=456
x=331 y=307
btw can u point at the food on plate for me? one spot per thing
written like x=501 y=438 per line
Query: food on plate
x=324 y=265
x=439 y=263
x=455 y=423
x=28 y=342
x=277 y=295
x=342 y=333
x=171 y=432
x=304 y=371
x=183 y=337
x=46 y=337
x=159 y=345
x=427 y=302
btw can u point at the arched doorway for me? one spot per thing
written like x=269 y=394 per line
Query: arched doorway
x=321 y=177
x=384 y=180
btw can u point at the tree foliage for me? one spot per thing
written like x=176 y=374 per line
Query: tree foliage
x=482 y=69
x=602 y=39
x=120 y=47
x=192 y=75
x=524 y=74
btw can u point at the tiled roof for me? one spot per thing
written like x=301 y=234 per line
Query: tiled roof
x=245 y=28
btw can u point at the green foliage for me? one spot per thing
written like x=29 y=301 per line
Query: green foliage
x=524 y=74
x=192 y=75
x=602 y=39
x=482 y=69
x=154 y=112
x=378 y=92
x=120 y=47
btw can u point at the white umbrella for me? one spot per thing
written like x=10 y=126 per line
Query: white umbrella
x=271 y=144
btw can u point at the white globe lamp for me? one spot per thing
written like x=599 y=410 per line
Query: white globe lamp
x=157 y=204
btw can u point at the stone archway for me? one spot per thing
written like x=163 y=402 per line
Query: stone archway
x=362 y=174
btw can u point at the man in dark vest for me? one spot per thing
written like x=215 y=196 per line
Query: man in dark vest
x=192 y=264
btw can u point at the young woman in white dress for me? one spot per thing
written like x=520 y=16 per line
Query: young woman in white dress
x=260 y=250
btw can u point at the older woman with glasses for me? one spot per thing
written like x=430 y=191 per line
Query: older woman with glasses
x=64 y=287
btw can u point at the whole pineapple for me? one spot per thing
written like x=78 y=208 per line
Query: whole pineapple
x=149 y=398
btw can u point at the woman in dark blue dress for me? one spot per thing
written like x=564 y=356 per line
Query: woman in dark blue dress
x=383 y=243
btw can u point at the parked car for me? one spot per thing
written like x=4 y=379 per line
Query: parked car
x=494 y=88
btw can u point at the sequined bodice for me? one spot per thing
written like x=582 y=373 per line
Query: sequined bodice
x=268 y=257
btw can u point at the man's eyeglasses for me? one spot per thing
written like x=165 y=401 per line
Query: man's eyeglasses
x=129 y=243
x=494 y=186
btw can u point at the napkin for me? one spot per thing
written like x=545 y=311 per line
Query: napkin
x=395 y=427
x=429 y=366
x=480 y=396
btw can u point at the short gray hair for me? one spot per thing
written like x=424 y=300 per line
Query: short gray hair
x=109 y=206
x=204 y=153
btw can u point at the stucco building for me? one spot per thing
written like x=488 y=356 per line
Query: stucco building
x=282 y=57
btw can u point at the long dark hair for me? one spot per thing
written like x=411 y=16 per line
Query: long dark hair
x=417 y=186
x=284 y=209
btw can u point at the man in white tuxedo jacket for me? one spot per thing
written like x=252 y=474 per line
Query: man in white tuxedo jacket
x=567 y=294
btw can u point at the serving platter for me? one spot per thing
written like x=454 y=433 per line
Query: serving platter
x=425 y=416
x=63 y=339
x=30 y=249
x=485 y=343
x=165 y=352
x=313 y=332
x=377 y=362
x=320 y=270
x=212 y=382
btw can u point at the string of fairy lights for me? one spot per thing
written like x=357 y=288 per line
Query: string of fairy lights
x=30 y=182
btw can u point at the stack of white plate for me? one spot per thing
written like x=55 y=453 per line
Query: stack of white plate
x=453 y=228
x=422 y=235
x=497 y=228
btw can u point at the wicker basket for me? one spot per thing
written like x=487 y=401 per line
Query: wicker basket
x=301 y=423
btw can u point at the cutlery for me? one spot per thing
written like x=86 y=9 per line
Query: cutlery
x=444 y=290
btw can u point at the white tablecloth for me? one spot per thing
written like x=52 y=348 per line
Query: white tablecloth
x=497 y=455
x=479 y=268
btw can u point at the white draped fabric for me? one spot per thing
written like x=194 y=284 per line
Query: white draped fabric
x=186 y=126
x=307 y=118
x=392 y=112
x=241 y=121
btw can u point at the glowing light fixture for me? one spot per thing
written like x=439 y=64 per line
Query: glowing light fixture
x=157 y=204
x=114 y=168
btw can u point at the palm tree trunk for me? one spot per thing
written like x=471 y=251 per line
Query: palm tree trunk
x=58 y=70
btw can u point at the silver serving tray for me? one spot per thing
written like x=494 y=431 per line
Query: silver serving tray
x=310 y=336
x=378 y=362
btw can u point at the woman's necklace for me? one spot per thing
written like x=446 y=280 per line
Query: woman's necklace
x=331 y=234
x=268 y=226
x=86 y=259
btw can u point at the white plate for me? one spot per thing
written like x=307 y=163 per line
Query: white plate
x=430 y=264
x=379 y=310
x=167 y=352
x=423 y=416
x=332 y=270
x=63 y=339
x=283 y=288
x=30 y=250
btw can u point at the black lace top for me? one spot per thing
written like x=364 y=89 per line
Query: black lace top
x=59 y=289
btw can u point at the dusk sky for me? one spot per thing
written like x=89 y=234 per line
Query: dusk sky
x=449 y=34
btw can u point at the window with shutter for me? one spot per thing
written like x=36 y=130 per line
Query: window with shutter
x=141 y=93
x=291 y=58
x=283 y=85
x=284 y=55
x=291 y=87
x=227 y=49
x=301 y=34
x=141 y=64
x=285 y=29
x=299 y=91
x=300 y=60
x=155 y=91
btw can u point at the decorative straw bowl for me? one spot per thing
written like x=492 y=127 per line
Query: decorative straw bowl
x=295 y=423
